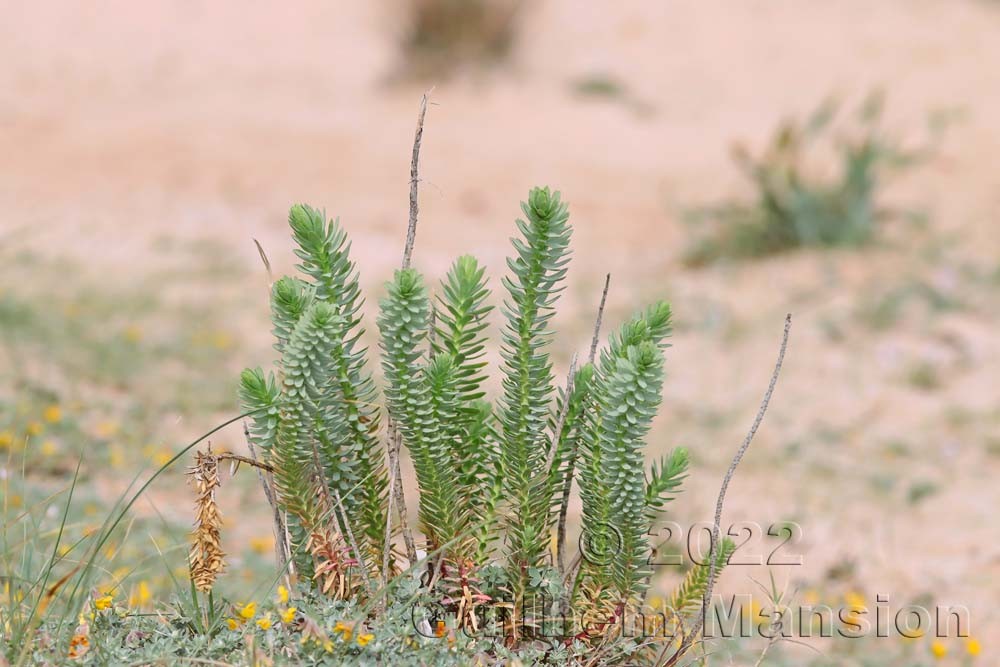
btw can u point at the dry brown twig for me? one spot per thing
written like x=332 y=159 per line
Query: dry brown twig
x=600 y=318
x=395 y=438
x=571 y=461
x=282 y=539
x=282 y=551
x=362 y=565
x=706 y=600
x=561 y=419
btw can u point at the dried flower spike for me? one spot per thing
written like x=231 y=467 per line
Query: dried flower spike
x=207 y=559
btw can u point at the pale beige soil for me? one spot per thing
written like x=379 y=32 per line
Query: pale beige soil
x=127 y=124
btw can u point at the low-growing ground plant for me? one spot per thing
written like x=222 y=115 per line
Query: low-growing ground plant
x=796 y=202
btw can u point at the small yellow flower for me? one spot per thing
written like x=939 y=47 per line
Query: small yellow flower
x=344 y=630
x=288 y=615
x=157 y=454
x=133 y=333
x=855 y=600
x=140 y=596
x=104 y=602
x=249 y=610
x=811 y=597
x=115 y=457
x=264 y=622
x=972 y=647
x=106 y=428
x=34 y=428
x=282 y=594
x=328 y=646
x=262 y=545
x=49 y=448
x=232 y=623
x=52 y=414
x=6 y=438
x=365 y=639
x=15 y=500
x=221 y=340
x=938 y=649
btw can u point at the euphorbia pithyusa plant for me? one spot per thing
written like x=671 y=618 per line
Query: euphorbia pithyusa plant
x=492 y=475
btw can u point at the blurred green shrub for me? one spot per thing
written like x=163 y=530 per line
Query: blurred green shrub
x=797 y=205
x=442 y=35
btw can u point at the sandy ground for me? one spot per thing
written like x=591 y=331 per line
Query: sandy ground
x=123 y=124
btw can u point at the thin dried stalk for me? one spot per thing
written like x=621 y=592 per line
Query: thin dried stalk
x=571 y=459
x=282 y=552
x=395 y=438
x=354 y=543
x=395 y=445
x=706 y=601
x=411 y=229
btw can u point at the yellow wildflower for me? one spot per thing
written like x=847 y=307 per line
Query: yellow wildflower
x=344 y=630
x=34 y=428
x=938 y=649
x=140 y=596
x=104 y=602
x=106 y=428
x=365 y=639
x=221 y=340
x=855 y=600
x=115 y=457
x=52 y=414
x=232 y=623
x=158 y=455
x=49 y=448
x=756 y=611
x=328 y=646
x=288 y=615
x=6 y=438
x=972 y=647
x=249 y=610
x=282 y=594
x=262 y=545
x=133 y=333
x=264 y=622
